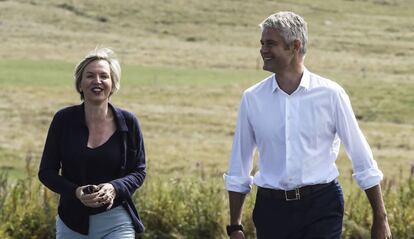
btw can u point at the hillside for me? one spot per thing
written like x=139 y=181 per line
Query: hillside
x=369 y=36
x=187 y=62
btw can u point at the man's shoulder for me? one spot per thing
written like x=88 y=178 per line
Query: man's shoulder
x=263 y=85
x=323 y=83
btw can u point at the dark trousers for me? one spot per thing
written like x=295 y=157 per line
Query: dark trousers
x=318 y=215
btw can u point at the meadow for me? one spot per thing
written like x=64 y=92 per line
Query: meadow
x=185 y=66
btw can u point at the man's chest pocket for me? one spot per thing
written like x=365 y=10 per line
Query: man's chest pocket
x=309 y=130
x=314 y=126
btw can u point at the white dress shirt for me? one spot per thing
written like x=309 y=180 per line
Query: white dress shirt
x=297 y=137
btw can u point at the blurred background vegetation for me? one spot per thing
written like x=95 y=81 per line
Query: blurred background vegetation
x=185 y=65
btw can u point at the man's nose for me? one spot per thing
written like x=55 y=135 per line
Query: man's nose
x=263 y=49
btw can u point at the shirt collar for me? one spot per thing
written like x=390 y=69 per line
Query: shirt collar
x=304 y=81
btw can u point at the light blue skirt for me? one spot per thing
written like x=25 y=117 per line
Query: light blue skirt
x=112 y=224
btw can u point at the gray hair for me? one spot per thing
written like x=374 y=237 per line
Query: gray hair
x=290 y=26
x=99 y=54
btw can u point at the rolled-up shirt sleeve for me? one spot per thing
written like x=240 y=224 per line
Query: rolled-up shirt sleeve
x=365 y=168
x=238 y=178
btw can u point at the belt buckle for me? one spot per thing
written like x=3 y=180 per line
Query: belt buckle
x=297 y=195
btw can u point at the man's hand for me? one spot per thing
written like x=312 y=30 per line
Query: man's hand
x=380 y=229
x=237 y=235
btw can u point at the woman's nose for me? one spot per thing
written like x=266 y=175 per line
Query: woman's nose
x=97 y=79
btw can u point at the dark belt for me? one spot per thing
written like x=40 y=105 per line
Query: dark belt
x=294 y=194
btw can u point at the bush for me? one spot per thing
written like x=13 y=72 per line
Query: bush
x=28 y=211
x=190 y=208
x=182 y=208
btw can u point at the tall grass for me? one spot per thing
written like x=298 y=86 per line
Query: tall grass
x=399 y=201
x=192 y=208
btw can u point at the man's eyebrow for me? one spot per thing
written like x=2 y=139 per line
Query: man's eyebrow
x=268 y=40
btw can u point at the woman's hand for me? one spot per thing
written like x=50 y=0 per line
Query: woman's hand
x=102 y=194
x=107 y=194
x=88 y=196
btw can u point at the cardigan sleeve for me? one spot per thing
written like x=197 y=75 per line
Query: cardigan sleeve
x=50 y=163
x=135 y=165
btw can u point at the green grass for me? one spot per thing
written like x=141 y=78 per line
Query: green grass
x=17 y=72
x=185 y=65
x=194 y=207
x=188 y=115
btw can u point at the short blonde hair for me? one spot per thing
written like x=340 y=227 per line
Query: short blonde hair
x=105 y=54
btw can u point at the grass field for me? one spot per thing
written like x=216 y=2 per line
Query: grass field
x=185 y=65
x=188 y=116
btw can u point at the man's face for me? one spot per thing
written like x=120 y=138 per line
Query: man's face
x=275 y=53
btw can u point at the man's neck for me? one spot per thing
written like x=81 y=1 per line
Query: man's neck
x=289 y=80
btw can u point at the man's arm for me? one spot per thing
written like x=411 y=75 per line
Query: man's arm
x=380 y=228
x=236 y=201
x=238 y=179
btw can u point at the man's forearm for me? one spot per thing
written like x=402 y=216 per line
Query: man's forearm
x=236 y=201
x=380 y=228
x=375 y=199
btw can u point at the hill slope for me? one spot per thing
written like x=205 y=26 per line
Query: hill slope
x=373 y=35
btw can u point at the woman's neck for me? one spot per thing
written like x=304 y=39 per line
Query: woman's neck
x=97 y=113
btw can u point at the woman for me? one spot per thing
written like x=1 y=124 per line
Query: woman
x=99 y=151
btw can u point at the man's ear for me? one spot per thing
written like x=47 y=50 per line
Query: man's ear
x=297 y=44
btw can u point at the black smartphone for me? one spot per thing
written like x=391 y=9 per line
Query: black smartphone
x=89 y=189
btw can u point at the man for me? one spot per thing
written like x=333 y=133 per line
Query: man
x=297 y=119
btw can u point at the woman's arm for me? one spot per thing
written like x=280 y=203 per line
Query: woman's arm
x=135 y=162
x=50 y=163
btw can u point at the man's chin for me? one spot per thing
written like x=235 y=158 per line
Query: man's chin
x=267 y=68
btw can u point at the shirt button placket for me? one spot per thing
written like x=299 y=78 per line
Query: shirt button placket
x=287 y=135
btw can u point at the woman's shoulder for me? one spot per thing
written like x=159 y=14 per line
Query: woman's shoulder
x=69 y=110
x=128 y=116
x=124 y=113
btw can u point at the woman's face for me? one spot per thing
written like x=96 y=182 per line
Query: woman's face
x=96 y=83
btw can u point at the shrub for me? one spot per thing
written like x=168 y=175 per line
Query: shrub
x=189 y=208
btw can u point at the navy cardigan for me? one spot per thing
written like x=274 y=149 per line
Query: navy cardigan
x=67 y=131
